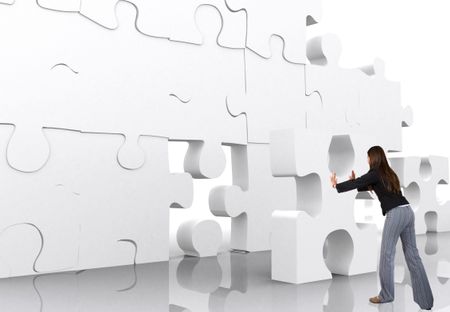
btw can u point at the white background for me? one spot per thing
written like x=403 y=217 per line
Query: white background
x=412 y=37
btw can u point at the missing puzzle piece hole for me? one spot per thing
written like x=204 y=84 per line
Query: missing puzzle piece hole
x=412 y=192
x=28 y=148
x=425 y=169
x=338 y=252
x=341 y=155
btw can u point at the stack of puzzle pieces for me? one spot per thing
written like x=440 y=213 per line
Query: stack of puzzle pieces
x=93 y=91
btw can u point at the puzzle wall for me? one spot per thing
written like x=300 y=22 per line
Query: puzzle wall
x=92 y=92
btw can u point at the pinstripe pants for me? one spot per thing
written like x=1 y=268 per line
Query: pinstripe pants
x=399 y=222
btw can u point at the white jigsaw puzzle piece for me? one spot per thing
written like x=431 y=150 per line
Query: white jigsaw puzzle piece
x=287 y=19
x=128 y=208
x=48 y=199
x=252 y=198
x=297 y=257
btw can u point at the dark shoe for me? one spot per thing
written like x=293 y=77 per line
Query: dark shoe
x=375 y=299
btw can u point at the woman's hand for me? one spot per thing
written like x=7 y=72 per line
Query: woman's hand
x=333 y=180
x=352 y=176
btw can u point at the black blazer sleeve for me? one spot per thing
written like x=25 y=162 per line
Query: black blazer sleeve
x=362 y=183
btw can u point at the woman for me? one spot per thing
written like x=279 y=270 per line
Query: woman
x=399 y=222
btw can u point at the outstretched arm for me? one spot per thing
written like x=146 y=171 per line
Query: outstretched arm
x=362 y=183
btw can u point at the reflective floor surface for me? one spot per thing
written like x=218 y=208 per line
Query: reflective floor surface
x=229 y=282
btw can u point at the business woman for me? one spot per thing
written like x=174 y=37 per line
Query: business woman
x=399 y=222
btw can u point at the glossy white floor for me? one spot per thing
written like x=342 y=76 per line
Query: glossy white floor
x=230 y=282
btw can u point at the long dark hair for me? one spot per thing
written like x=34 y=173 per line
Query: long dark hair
x=379 y=161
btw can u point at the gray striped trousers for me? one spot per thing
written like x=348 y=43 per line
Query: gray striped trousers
x=399 y=222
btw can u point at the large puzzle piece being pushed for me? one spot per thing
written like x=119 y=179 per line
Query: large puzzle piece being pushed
x=325 y=217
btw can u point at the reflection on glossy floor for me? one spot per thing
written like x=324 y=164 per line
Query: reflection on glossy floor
x=230 y=282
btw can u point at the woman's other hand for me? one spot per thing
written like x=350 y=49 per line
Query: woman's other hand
x=352 y=176
x=333 y=180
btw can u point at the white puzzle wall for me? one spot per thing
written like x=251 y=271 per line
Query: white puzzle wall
x=93 y=92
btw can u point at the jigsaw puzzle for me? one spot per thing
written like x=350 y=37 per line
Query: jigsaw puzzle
x=93 y=91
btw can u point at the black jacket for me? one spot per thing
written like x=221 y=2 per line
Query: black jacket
x=372 y=178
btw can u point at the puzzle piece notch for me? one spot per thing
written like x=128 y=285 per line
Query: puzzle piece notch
x=289 y=21
x=130 y=155
x=251 y=199
x=185 y=29
x=200 y=238
x=297 y=154
x=18 y=154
